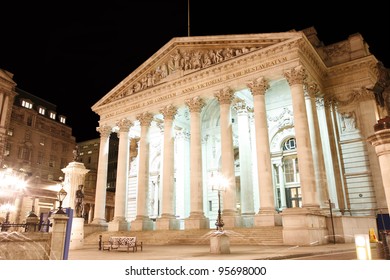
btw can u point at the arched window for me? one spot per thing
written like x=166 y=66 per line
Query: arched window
x=289 y=144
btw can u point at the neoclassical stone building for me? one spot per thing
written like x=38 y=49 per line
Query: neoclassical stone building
x=282 y=117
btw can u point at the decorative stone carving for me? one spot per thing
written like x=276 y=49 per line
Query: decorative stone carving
x=145 y=118
x=124 y=125
x=296 y=75
x=168 y=112
x=258 y=86
x=225 y=96
x=195 y=104
x=104 y=130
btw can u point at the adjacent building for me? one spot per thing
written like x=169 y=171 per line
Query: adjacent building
x=35 y=144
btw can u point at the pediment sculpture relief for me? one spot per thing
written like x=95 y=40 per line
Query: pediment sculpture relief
x=183 y=60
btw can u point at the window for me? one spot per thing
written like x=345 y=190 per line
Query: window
x=10 y=132
x=24 y=153
x=52 y=161
x=62 y=119
x=29 y=120
x=52 y=115
x=41 y=110
x=41 y=158
x=289 y=144
x=27 y=104
x=291 y=171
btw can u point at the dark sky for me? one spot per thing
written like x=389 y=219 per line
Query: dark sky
x=72 y=53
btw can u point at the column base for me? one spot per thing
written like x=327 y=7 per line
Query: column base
x=119 y=224
x=196 y=221
x=232 y=221
x=77 y=234
x=265 y=219
x=302 y=226
x=167 y=223
x=247 y=220
x=98 y=221
x=219 y=244
x=141 y=224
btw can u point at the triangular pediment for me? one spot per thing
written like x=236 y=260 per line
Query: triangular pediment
x=184 y=55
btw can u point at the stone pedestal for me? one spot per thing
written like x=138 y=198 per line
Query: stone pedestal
x=118 y=225
x=302 y=226
x=167 y=224
x=196 y=222
x=74 y=177
x=142 y=223
x=381 y=141
x=58 y=236
x=265 y=219
x=219 y=244
x=77 y=234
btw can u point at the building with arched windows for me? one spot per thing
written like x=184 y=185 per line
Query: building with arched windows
x=282 y=117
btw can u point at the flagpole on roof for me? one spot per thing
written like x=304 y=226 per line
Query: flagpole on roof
x=188 y=16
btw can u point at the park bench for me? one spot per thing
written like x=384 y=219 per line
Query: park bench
x=122 y=242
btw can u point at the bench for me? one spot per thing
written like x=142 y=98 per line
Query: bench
x=120 y=242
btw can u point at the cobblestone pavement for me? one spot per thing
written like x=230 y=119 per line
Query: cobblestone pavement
x=202 y=252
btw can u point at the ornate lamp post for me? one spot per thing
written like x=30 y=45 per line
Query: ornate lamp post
x=61 y=196
x=219 y=183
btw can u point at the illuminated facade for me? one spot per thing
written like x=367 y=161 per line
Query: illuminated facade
x=281 y=116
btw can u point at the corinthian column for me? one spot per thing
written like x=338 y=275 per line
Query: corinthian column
x=101 y=180
x=119 y=222
x=230 y=218
x=142 y=221
x=318 y=159
x=266 y=214
x=168 y=220
x=296 y=78
x=246 y=182
x=196 y=220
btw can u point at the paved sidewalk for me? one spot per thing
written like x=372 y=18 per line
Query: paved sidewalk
x=202 y=252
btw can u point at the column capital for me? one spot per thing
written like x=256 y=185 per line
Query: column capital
x=258 y=86
x=296 y=75
x=195 y=104
x=124 y=125
x=145 y=118
x=225 y=95
x=168 y=112
x=312 y=89
x=240 y=106
x=104 y=130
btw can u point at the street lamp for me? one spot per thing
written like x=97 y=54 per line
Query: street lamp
x=7 y=208
x=61 y=196
x=219 y=183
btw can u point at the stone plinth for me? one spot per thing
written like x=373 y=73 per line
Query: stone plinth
x=219 y=243
x=381 y=141
x=303 y=226
x=167 y=224
x=77 y=234
x=119 y=225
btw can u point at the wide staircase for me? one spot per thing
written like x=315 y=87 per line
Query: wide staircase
x=237 y=236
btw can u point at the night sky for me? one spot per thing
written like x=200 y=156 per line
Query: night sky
x=72 y=53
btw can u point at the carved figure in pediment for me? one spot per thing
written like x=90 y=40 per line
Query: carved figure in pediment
x=174 y=63
x=186 y=61
x=196 y=60
x=228 y=53
x=218 y=56
x=206 y=60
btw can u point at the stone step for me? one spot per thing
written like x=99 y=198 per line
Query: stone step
x=238 y=236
